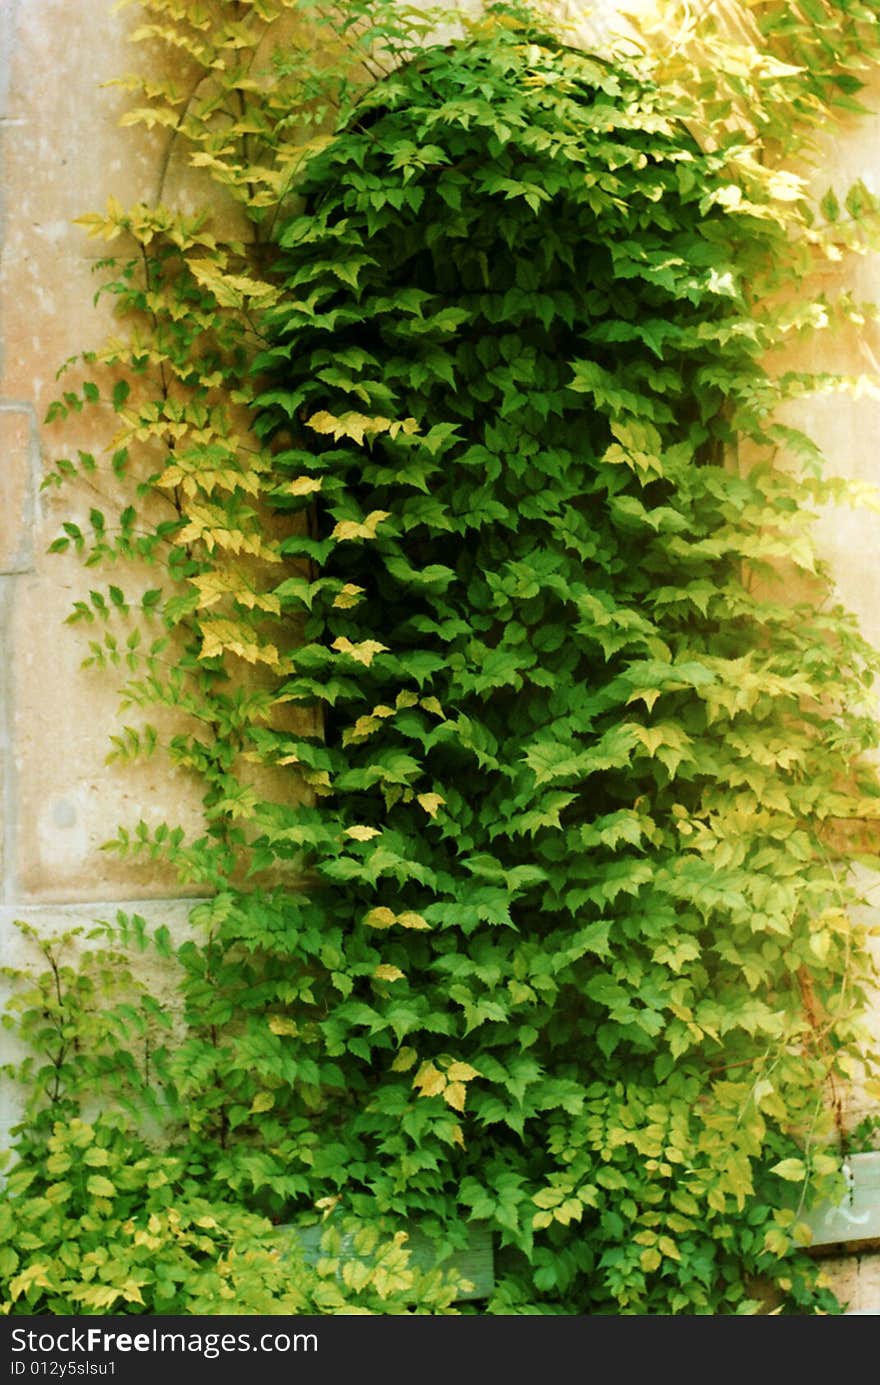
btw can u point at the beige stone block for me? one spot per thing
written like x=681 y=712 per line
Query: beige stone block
x=68 y=799
x=869 y=1280
x=841 y=1275
x=16 y=482
x=845 y=426
x=65 y=155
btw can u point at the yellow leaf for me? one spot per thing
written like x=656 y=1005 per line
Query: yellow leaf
x=318 y=779
x=230 y=290
x=647 y=695
x=363 y=727
x=649 y=1260
x=457 y=1136
x=349 y=596
x=404 y=1060
x=776 y=1242
x=380 y=917
x=431 y=704
x=347 y=529
x=141 y=1238
x=36 y=1274
x=411 y=920
x=388 y=973
x=461 y=1072
x=304 y=485
x=820 y=943
x=429 y=1080
x=99 y=1186
x=214 y=585
x=358 y=426
x=263 y=1101
x=325 y=422
x=221 y=636
x=728 y=196
x=97 y=1295
x=98 y=225
x=363 y=653
x=355 y=529
x=280 y=1024
x=650 y=737
x=362 y=833
x=786 y=186
x=430 y=802
x=455 y=1094
x=802 y=1233
x=793 y=1170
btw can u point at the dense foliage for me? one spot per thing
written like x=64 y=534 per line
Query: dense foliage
x=526 y=785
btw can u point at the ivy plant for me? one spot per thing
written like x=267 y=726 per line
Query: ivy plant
x=531 y=733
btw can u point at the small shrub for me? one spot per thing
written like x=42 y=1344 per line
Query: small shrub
x=100 y=1223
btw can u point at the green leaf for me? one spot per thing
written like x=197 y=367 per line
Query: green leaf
x=99 y=1186
x=792 y=1170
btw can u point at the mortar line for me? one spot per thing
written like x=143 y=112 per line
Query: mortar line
x=18 y=905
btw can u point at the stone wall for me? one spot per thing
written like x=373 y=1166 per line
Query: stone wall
x=63 y=154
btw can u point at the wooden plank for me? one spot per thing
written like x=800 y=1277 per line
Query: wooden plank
x=475 y=1261
x=857 y=1216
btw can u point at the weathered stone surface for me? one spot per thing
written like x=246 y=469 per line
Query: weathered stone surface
x=869 y=1282
x=855 y=1280
x=69 y=801
x=841 y=1273
x=846 y=425
x=64 y=154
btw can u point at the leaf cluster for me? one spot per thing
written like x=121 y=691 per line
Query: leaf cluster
x=479 y=573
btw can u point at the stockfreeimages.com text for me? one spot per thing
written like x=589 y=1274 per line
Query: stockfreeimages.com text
x=207 y=1344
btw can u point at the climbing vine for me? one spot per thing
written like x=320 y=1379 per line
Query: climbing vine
x=462 y=500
